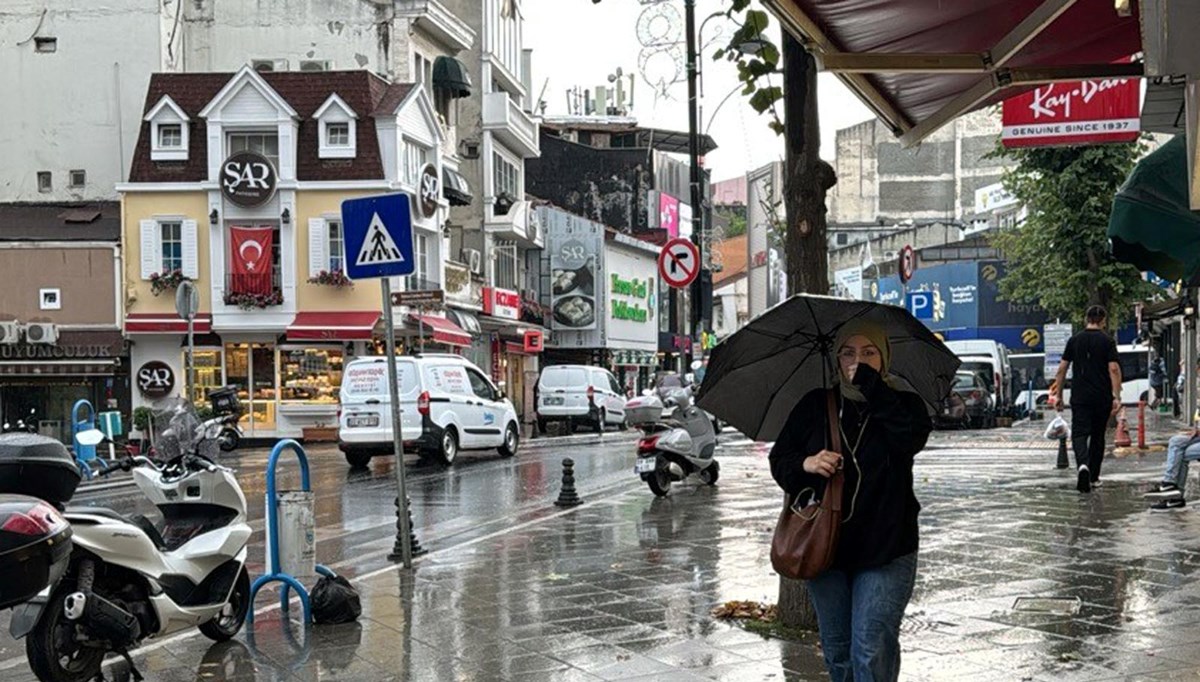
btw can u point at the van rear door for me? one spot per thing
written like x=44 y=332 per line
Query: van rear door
x=366 y=406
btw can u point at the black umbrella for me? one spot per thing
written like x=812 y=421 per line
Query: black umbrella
x=758 y=375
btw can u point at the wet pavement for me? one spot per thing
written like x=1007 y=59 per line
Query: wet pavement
x=622 y=587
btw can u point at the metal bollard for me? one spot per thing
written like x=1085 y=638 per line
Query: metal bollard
x=1063 y=462
x=398 y=549
x=1141 y=425
x=568 y=497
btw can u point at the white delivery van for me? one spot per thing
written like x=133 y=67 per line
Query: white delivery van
x=1001 y=379
x=579 y=394
x=447 y=404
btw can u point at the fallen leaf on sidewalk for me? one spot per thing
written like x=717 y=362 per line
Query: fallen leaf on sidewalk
x=746 y=610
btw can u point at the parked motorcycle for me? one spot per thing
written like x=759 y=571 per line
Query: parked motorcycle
x=227 y=429
x=27 y=424
x=226 y=419
x=129 y=579
x=673 y=447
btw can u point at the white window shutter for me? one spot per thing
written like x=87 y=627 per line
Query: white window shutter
x=191 y=258
x=151 y=248
x=318 y=246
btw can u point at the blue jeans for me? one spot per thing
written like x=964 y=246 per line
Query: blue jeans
x=1178 y=458
x=859 y=616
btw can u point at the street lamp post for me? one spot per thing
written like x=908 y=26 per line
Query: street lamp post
x=698 y=288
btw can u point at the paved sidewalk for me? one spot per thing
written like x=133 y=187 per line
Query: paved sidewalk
x=622 y=588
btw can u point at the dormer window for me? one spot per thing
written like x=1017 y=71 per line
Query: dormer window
x=168 y=131
x=337 y=124
x=170 y=136
x=337 y=134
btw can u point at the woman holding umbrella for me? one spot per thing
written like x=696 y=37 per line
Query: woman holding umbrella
x=881 y=372
x=860 y=600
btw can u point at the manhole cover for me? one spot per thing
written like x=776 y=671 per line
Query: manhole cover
x=1066 y=606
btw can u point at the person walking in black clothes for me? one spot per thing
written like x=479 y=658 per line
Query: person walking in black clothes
x=1095 y=393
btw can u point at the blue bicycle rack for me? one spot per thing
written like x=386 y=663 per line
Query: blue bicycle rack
x=84 y=454
x=274 y=573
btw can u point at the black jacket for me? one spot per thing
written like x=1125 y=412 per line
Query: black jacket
x=879 y=508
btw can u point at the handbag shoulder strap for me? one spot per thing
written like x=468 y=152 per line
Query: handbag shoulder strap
x=835 y=432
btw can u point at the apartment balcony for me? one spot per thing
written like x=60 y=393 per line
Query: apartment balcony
x=515 y=221
x=438 y=21
x=515 y=128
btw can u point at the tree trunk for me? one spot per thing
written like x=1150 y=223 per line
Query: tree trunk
x=807 y=179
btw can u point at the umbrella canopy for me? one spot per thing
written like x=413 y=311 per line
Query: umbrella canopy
x=758 y=375
x=1152 y=225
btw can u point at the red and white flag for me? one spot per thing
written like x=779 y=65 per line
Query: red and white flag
x=251 y=259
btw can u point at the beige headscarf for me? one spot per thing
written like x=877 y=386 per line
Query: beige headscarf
x=878 y=336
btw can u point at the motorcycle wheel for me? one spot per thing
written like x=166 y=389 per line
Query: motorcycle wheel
x=51 y=648
x=659 y=482
x=229 y=440
x=710 y=474
x=229 y=621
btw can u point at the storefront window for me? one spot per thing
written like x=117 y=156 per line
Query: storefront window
x=310 y=375
x=250 y=368
x=208 y=374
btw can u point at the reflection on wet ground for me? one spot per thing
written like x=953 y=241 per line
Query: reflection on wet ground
x=622 y=587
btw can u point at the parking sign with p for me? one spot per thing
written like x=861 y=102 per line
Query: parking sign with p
x=920 y=304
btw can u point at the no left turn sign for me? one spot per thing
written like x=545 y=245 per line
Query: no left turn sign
x=679 y=262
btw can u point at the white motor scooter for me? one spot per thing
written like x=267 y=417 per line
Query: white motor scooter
x=675 y=447
x=129 y=579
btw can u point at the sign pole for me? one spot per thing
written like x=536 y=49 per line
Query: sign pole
x=191 y=359
x=402 y=529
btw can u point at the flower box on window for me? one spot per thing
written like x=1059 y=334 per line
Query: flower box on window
x=168 y=280
x=331 y=278
x=250 y=301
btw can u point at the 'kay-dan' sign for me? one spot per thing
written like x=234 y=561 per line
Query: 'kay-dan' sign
x=1080 y=112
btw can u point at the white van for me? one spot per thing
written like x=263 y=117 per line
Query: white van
x=579 y=394
x=1001 y=378
x=447 y=404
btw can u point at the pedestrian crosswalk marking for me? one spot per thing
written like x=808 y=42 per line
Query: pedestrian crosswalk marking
x=378 y=248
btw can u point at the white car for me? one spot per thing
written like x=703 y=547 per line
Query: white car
x=579 y=394
x=447 y=404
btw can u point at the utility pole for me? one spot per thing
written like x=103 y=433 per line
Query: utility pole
x=701 y=288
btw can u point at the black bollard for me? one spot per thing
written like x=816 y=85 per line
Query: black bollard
x=568 y=497
x=1063 y=463
x=413 y=542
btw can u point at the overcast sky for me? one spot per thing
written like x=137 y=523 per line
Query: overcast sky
x=579 y=43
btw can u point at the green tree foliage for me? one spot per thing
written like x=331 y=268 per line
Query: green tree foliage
x=756 y=57
x=1059 y=256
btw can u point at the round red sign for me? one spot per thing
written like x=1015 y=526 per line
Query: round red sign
x=679 y=262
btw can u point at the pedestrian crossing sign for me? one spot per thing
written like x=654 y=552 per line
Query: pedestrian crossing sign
x=378 y=234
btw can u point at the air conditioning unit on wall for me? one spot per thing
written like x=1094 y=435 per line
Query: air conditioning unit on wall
x=474 y=260
x=41 y=332
x=10 y=331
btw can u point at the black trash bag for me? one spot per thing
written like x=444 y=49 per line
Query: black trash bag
x=335 y=601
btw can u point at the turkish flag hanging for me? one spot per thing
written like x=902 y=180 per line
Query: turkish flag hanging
x=251 y=260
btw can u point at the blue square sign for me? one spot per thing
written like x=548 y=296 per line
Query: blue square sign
x=920 y=304
x=378 y=236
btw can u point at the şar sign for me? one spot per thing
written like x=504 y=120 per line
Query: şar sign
x=1080 y=112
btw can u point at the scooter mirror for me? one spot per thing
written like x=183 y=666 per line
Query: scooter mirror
x=90 y=437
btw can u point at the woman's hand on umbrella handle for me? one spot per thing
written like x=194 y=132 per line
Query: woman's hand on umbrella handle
x=824 y=463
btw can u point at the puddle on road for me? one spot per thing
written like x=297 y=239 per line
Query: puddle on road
x=1067 y=606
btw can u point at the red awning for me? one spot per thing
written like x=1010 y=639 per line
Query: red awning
x=441 y=329
x=919 y=64
x=165 y=323
x=352 y=325
x=516 y=348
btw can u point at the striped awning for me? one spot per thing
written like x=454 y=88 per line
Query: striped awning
x=440 y=329
x=165 y=323
x=42 y=368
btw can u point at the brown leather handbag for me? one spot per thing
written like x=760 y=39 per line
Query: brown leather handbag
x=806 y=540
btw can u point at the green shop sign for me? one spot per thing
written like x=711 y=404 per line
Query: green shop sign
x=634 y=288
